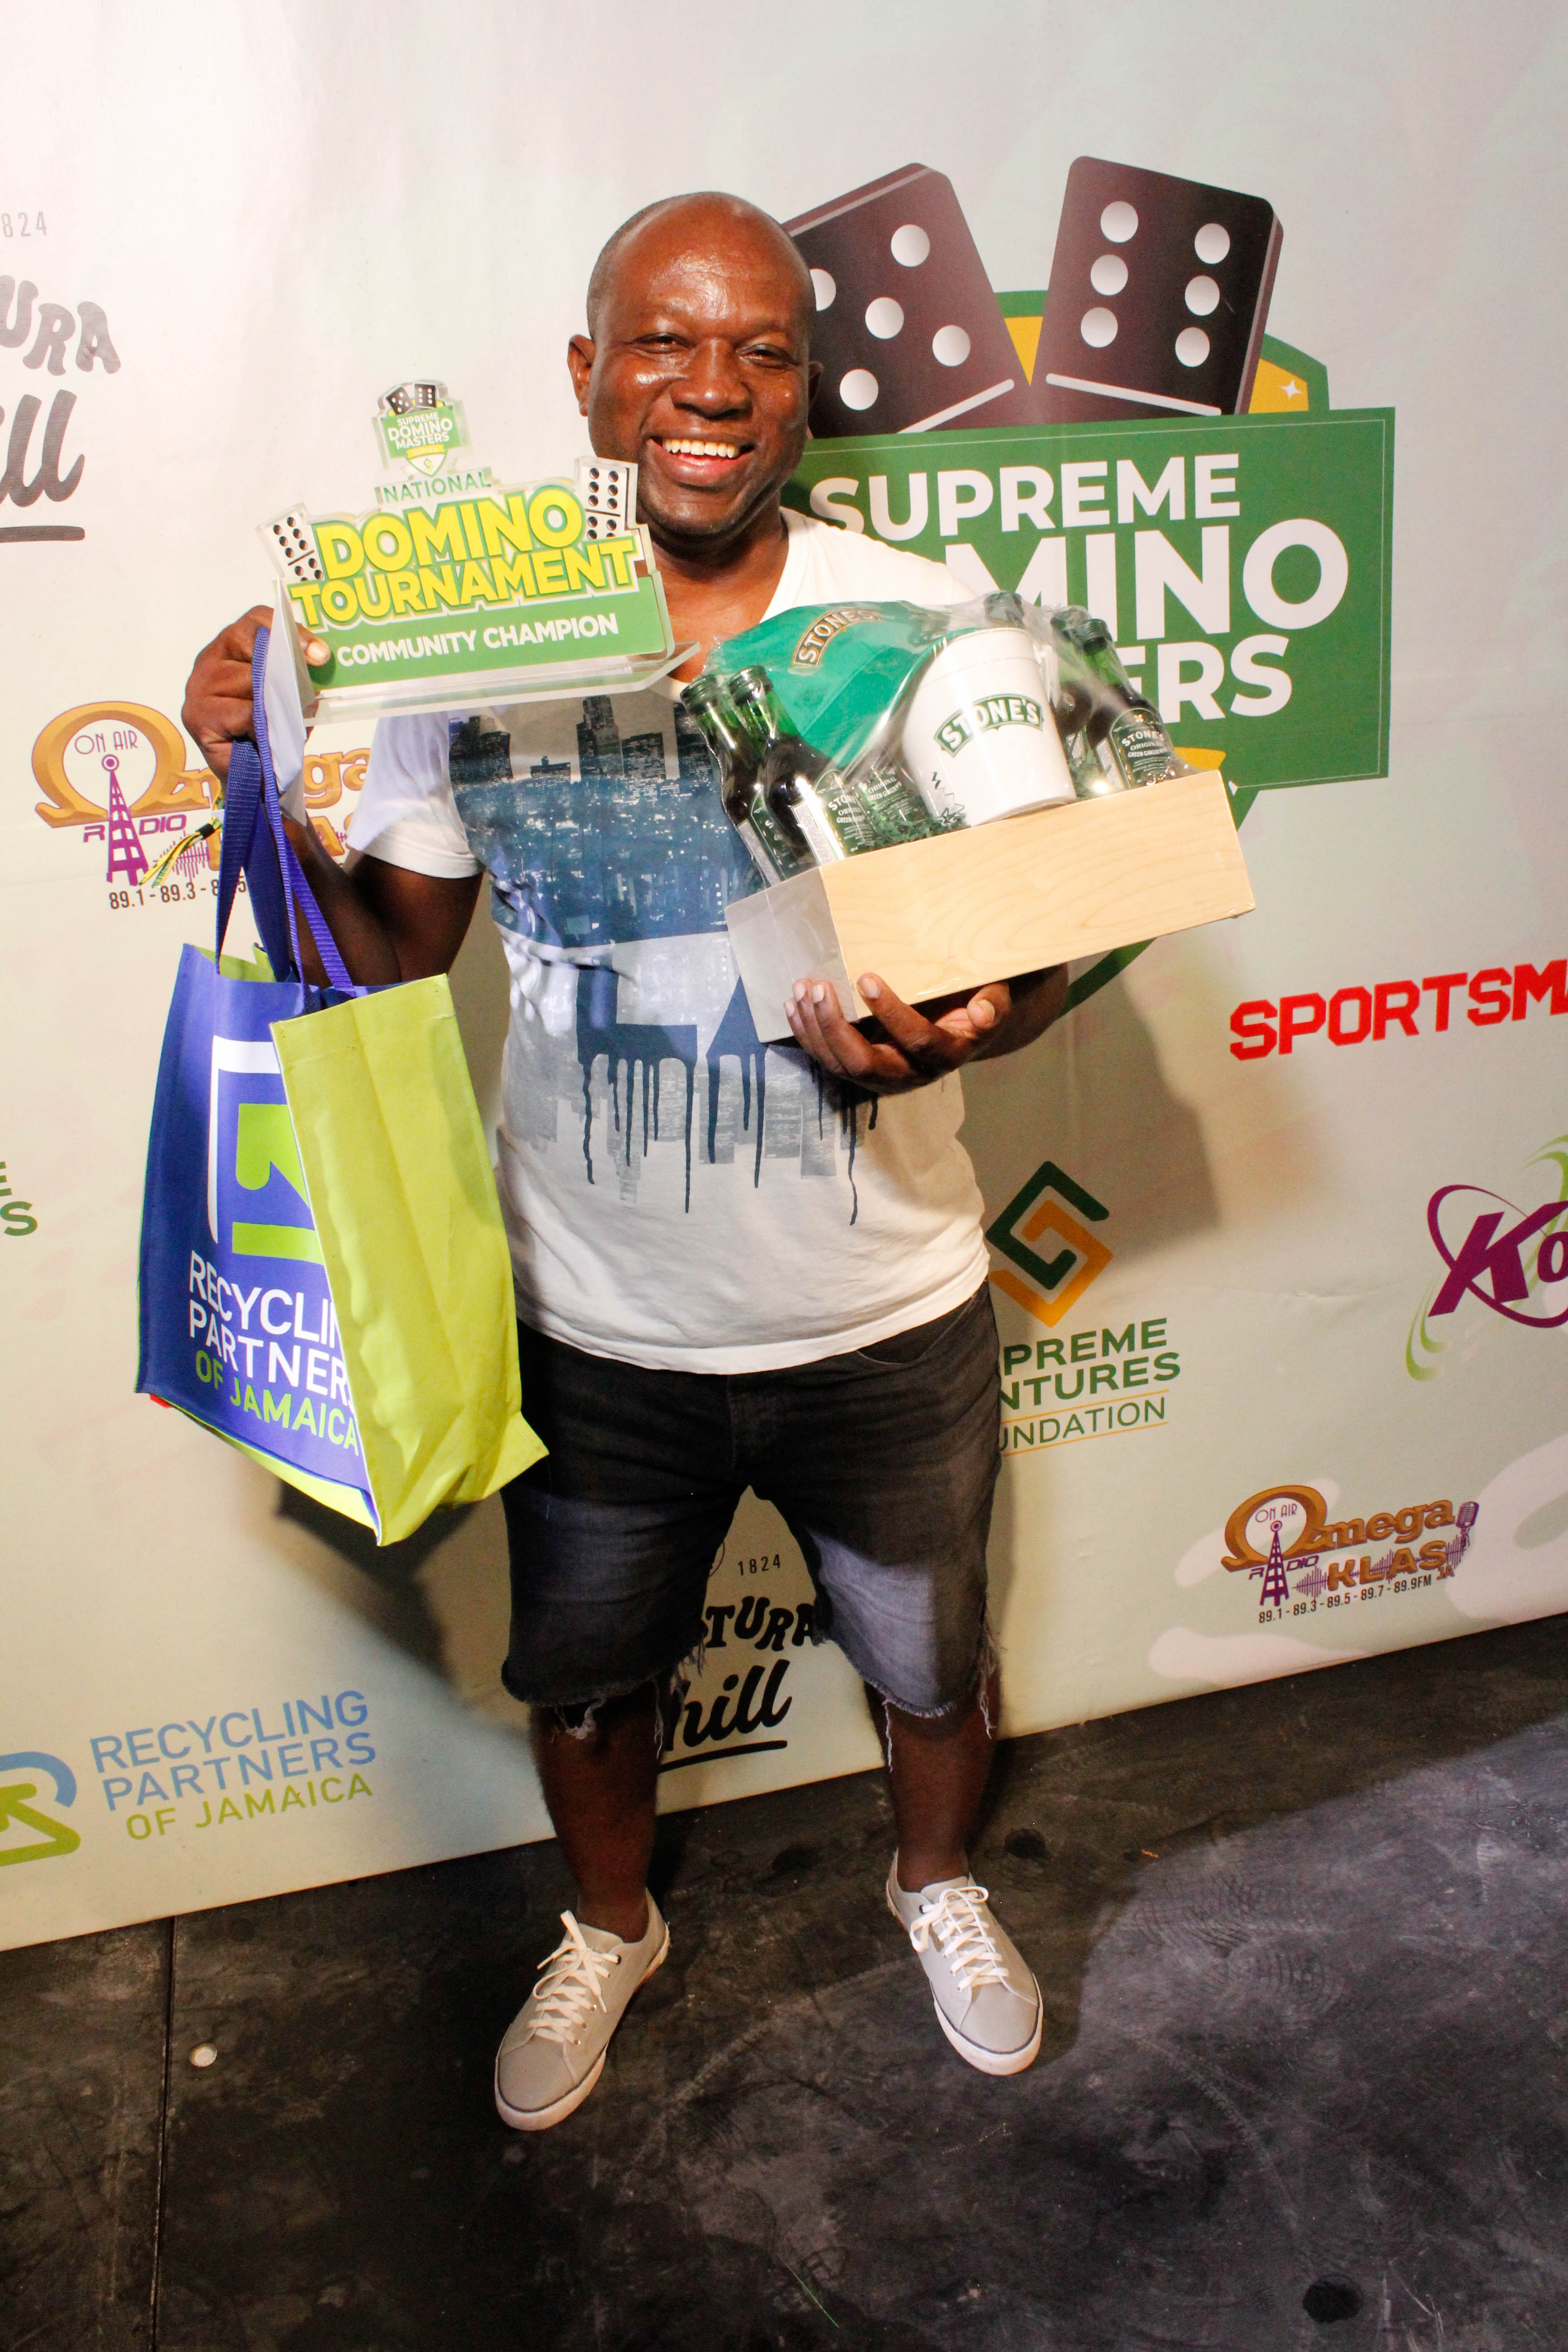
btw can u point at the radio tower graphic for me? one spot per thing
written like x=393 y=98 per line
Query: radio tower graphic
x=1276 y=1584
x=126 y=856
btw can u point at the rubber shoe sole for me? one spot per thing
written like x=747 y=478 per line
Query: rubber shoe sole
x=988 y=2062
x=541 y=2118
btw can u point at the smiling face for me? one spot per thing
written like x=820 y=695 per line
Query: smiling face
x=698 y=370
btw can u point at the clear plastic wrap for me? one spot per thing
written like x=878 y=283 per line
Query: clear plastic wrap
x=842 y=729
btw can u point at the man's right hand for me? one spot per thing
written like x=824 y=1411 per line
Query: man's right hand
x=390 y=924
x=217 y=710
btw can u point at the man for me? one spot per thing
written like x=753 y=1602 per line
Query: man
x=691 y=1322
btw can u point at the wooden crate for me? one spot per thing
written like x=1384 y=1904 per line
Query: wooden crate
x=965 y=908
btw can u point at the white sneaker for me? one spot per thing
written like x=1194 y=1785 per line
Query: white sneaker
x=555 y=2048
x=988 y=2002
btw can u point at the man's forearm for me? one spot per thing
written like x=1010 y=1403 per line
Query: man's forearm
x=362 y=941
x=1037 y=1001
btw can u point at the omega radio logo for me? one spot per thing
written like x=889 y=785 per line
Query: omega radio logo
x=1308 y=1561
x=118 y=775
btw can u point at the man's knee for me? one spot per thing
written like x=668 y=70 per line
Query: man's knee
x=597 y=1722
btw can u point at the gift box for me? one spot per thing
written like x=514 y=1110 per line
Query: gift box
x=960 y=909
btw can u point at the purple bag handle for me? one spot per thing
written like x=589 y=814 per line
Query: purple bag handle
x=277 y=880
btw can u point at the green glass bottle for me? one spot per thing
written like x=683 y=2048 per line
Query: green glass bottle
x=1124 y=732
x=802 y=790
x=729 y=739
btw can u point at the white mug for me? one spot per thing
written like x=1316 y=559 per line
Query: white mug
x=979 y=740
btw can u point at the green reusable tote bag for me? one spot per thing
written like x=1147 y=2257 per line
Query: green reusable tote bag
x=400 y=1186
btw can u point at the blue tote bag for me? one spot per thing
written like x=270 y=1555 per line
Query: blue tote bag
x=261 y=1218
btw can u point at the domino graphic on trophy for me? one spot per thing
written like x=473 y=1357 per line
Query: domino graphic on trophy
x=457 y=586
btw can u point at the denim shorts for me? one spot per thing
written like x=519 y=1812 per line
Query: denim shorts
x=881 y=1462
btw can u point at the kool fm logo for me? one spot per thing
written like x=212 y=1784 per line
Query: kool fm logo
x=1512 y=1260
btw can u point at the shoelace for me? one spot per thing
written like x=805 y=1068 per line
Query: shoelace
x=955 y=1925
x=569 y=1985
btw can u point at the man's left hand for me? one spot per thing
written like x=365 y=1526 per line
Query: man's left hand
x=902 y=1049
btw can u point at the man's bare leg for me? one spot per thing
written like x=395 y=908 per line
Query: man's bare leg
x=938 y=1767
x=600 y=1787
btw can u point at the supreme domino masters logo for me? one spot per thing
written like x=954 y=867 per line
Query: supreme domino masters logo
x=1142 y=446
x=418 y=425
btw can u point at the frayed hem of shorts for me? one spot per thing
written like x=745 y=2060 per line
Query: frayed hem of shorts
x=978 y=1687
x=579 y=1718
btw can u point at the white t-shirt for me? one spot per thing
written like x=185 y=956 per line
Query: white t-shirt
x=676 y=1193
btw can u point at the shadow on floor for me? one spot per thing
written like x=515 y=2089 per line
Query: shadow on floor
x=1300 y=1945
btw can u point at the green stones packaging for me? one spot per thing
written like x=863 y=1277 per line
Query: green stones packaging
x=908 y=720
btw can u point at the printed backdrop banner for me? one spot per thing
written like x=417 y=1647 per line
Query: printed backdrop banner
x=1277 y=1214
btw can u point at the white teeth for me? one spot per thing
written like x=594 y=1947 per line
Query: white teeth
x=701 y=448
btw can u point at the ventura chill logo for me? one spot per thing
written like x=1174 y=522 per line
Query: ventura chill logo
x=1052 y=1256
x=1512 y=1260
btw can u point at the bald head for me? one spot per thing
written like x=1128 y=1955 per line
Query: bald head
x=707 y=215
x=697 y=369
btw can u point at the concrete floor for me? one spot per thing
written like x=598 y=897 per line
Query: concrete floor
x=1303 y=2079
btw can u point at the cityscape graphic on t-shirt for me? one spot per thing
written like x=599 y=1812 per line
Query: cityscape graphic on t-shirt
x=612 y=848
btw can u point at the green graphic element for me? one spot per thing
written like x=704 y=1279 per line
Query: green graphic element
x=1311 y=373
x=265 y=1140
x=57 y=1839
x=1247 y=559
x=422 y=438
x=1048 y=1177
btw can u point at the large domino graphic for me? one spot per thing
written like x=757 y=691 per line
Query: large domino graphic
x=1159 y=296
x=907 y=330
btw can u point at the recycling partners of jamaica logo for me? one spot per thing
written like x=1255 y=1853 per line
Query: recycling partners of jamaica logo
x=1513 y=1260
x=42 y=1837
